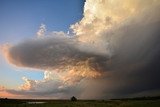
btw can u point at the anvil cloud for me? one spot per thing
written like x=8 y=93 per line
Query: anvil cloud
x=114 y=52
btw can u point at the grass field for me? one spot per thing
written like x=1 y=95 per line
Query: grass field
x=82 y=103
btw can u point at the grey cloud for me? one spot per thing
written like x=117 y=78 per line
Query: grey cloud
x=50 y=53
x=133 y=68
x=52 y=92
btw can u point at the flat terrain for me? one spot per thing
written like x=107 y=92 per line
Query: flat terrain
x=80 y=103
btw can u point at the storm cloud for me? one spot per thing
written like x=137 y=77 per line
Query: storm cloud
x=50 y=53
x=110 y=55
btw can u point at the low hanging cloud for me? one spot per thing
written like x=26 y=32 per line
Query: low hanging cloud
x=114 y=51
x=2 y=88
x=50 y=53
x=49 y=87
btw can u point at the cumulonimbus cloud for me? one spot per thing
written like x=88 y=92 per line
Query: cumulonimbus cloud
x=115 y=51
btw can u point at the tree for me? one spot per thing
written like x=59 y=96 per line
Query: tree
x=73 y=98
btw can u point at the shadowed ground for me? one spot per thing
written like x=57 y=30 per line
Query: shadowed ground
x=81 y=103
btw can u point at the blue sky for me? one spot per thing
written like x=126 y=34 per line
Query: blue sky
x=20 y=19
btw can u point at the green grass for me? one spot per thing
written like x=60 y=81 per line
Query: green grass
x=67 y=103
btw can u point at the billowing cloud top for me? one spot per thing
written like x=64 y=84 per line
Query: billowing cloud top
x=114 y=50
x=41 y=31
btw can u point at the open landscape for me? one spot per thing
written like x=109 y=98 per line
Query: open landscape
x=79 y=53
x=131 y=102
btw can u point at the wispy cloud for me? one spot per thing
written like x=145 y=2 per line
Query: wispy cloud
x=42 y=30
x=2 y=88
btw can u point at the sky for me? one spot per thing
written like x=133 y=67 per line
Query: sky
x=20 y=19
x=93 y=49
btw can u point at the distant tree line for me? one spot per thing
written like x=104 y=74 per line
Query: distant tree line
x=6 y=100
x=140 y=98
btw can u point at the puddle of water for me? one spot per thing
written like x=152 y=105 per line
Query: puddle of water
x=35 y=102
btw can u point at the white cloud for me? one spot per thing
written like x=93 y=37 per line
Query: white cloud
x=115 y=43
x=42 y=30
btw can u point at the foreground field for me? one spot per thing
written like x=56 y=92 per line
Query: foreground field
x=93 y=103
